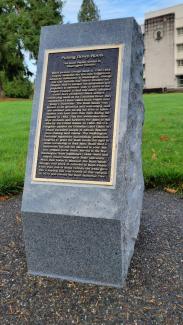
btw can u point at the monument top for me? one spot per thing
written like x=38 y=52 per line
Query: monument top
x=97 y=34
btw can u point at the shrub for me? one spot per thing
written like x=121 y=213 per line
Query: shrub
x=18 y=88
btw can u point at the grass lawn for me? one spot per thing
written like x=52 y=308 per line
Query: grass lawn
x=162 y=141
x=14 y=133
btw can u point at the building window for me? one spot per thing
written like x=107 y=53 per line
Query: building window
x=179 y=47
x=180 y=81
x=180 y=31
x=180 y=63
x=158 y=35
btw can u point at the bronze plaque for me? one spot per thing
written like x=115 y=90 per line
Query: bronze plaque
x=77 y=124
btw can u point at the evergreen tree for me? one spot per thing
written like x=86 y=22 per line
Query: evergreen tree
x=88 y=11
x=38 y=13
x=20 y=25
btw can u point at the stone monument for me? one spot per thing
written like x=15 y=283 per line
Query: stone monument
x=84 y=186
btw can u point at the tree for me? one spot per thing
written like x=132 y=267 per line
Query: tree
x=88 y=11
x=20 y=25
x=11 y=60
x=38 y=13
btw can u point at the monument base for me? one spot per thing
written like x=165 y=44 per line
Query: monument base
x=74 y=248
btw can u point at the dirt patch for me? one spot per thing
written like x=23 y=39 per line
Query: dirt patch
x=7 y=99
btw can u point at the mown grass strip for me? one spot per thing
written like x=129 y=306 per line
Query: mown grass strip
x=162 y=142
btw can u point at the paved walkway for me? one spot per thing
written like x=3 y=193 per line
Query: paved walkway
x=154 y=289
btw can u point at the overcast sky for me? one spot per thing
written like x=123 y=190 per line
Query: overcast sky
x=112 y=9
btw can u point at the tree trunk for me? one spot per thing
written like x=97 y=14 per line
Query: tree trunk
x=1 y=91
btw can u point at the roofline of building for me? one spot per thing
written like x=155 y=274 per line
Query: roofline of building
x=155 y=13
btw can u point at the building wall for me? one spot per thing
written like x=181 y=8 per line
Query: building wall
x=179 y=42
x=159 y=52
x=163 y=57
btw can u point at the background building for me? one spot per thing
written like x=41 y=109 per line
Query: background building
x=163 y=57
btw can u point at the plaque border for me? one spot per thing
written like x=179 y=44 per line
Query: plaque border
x=35 y=179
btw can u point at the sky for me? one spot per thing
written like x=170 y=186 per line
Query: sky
x=118 y=8
x=110 y=9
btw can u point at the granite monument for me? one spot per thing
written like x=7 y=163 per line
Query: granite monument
x=84 y=185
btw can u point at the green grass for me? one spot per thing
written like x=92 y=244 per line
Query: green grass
x=162 y=141
x=14 y=132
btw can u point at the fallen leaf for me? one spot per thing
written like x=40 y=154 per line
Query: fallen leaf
x=71 y=285
x=152 y=301
x=170 y=190
x=4 y=198
x=11 y=310
x=154 y=155
x=147 y=308
x=18 y=218
x=164 y=138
